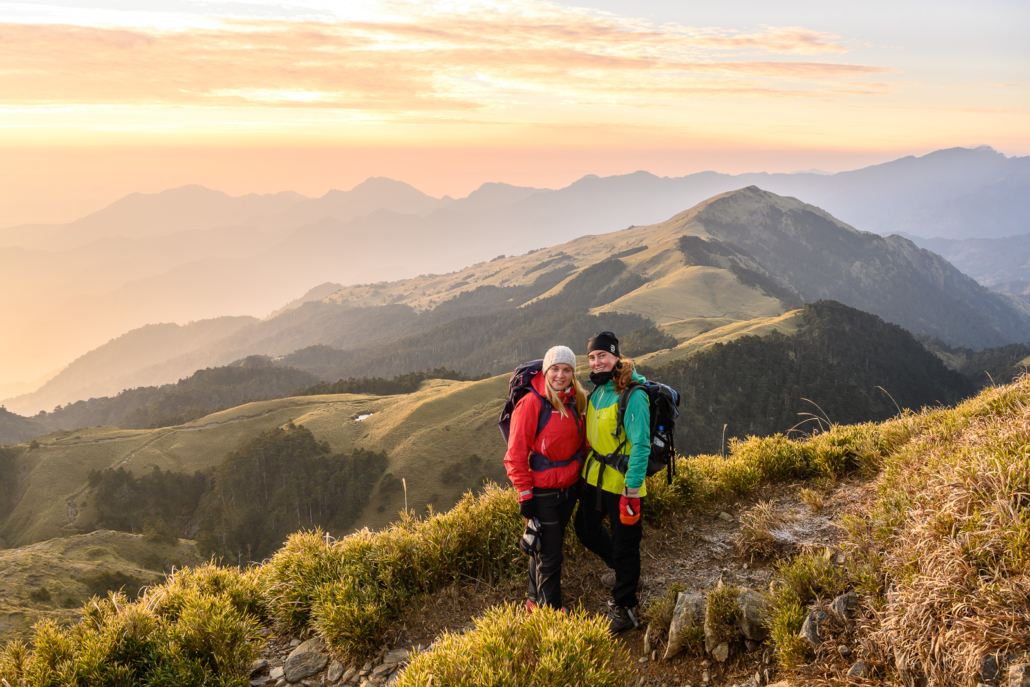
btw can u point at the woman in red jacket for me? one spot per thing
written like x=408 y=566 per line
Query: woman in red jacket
x=544 y=465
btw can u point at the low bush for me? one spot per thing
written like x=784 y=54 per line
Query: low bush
x=509 y=646
x=348 y=589
x=721 y=613
x=196 y=629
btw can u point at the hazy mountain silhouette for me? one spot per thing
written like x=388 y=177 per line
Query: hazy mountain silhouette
x=142 y=215
x=376 y=193
x=751 y=254
x=1001 y=264
x=103 y=371
x=77 y=298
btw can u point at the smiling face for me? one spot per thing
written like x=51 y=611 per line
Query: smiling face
x=560 y=376
x=601 y=361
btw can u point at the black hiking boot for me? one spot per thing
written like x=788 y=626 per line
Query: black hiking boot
x=620 y=618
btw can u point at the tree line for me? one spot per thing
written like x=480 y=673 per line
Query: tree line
x=243 y=508
x=850 y=366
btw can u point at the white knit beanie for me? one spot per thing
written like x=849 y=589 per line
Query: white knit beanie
x=556 y=355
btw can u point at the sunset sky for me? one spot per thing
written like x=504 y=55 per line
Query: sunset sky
x=99 y=99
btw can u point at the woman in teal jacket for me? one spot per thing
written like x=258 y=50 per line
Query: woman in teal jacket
x=614 y=475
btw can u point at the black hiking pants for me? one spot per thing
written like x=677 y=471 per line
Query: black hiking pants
x=620 y=550
x=553 y=510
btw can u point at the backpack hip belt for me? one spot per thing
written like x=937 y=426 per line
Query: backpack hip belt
x=538 y=462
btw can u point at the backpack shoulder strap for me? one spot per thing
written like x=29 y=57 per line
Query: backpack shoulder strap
x=545 y=411
x=624 y=402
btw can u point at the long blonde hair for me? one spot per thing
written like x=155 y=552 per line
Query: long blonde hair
x=552 y=396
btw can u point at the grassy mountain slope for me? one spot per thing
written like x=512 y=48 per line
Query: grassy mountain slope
x=205 y=391
x=829 y=353
x=423 y=433
x=787 y=324
x=53 y=579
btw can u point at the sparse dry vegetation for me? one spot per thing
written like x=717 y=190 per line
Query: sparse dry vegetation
x=762 y=531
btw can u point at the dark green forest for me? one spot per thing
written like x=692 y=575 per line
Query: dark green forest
x=206 y=391
x=999 y=365
x=243 y=509
x=8 y=480
x=380 y=386
x=838 y=360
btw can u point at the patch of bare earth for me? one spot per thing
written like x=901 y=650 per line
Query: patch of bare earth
x=694 y=550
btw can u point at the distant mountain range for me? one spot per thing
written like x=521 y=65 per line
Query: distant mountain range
x=735 y=257
x=192 y=253
x=1002 y=264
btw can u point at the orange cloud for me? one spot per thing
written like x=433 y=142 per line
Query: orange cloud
x=430 y=62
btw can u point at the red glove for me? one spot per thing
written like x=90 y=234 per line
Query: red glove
x=629 y=507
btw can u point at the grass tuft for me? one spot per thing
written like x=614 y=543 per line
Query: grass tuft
x=509 y=646
x=721 y=614
x=762 y=531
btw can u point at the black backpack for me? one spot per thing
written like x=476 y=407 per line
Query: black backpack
x=521 y=383
x=663 y=403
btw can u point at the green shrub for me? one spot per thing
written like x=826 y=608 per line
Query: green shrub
x=787 y=615
x=511 y=647
x=721 y=613
x=189 y=631
x=348 y=589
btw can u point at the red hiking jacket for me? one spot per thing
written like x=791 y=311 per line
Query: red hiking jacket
x=561 y=439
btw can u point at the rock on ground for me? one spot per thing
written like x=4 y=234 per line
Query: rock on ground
x=689 y=612
x=306 y=660
x=754 y=610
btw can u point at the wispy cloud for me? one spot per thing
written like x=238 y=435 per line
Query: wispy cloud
x=412 y=59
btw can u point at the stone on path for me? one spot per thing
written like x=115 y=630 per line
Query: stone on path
x=258 y=665
x=754 y=611
x=306 y=660
x=810 y=629
x=859 y=669
x=276 y=673
x=721 y=652
x=689 y=612
x=335 y=671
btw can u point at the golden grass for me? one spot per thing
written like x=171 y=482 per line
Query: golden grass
x=64 y=567
x=759 y=533
x=442 y=421
x=787 y=323
x=691 y=292
x=509 y=646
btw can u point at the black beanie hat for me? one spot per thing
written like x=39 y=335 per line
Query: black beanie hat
x=604 y=341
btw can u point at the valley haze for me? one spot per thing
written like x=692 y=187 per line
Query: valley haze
x=192 y=254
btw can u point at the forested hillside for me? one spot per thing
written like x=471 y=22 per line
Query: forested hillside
x=850 y=366
x=204 y=392
x=243 y=508
x=498 y=338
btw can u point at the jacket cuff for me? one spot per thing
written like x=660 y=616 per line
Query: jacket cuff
x=631 y=493
x=525 y=495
